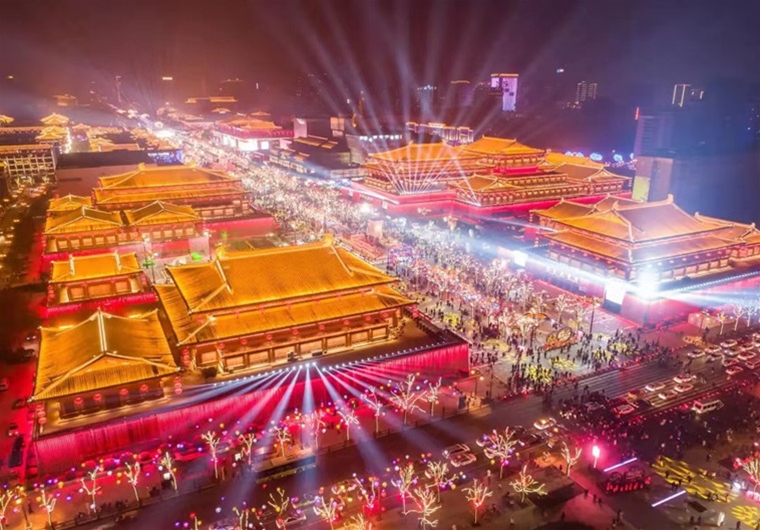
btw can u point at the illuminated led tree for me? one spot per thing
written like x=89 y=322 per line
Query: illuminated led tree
x=750 y=310
x=6 y=496
x=404 y=482
x=93 y=488
x=478 y=495
x=368 y=492
x=437 y=472
x=47 y=504
x=167 y=464
x=501 y=447
x=358 y=522
x=212 y=440
x=242 y=515
x=431 y=395
x=349 y=418
x=314 y=422
x=327 y=510
x=280 y=504
x=133 y=476
x=526 y=484
x=738 y=312
x=562 y=303
x=571 y=457
x=371 y=399
x=722 y=318
x=405 y=397
x=426 y=502
x=752 y=468
x=282 y=433
x=247 y=440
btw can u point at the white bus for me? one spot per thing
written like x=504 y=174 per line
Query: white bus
x=701 y=407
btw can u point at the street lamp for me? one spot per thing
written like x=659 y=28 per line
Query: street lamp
x=595 y=451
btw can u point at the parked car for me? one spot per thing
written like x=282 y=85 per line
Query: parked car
x=462 y=459
x=455 y=449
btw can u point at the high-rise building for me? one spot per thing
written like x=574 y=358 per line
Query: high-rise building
x=681 y=93
x=506 y=87
x=427 y=97
x=585 y=91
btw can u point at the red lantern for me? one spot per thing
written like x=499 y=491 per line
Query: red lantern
x=143 y=388
x=384 y=314
x=321 y=327
x=98 y=397
x=42 y=421
x=220 y=345
x=186 y=351
x=346 y=322
x=368 y=318
x=243 y=341
x=295 y=332
x=178 y=385
x=123 y=392
x=178 y=391
x=78 y=400
x=269 y=336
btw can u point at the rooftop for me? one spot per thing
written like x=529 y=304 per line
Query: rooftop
x=160 y=213
x=83 y=219
x=94 y=266
x=163 y=176
x=438 y=152
x=238 y=279
x=489 y=146
x=68 y=202
x=100 y=352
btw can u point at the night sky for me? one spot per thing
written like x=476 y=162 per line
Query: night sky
x=60 y=44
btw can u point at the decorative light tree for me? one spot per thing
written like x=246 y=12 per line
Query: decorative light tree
x=167 y=464
x=404 y=483
x=242 y=515
x=371 y=399
x=348 y=416
x=722 y=318
x=478 y=495
x=571 y=457
x=526 y=484
x=501 y=447
x=92 y=489
x=212 y=440
x=752 y=468
x=314 y=422
x=562 y=303
x=738 y=311
x=437 y=472
x=327 y=510
x=6 y=496
x=280 y=504
x=431 y=395
x=358 y=522
x=247 y=440
x=368 y=492
x=750 y=310
x=405 y=397
x=426 y=502
x=133 y=476
x=282 y=433
x=47 y=504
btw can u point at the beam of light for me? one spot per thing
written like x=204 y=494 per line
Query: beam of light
x=621 y=464
x=667 y=499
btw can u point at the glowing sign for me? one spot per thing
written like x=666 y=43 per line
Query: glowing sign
x=615 y=292
x=596 y=157
x=520 y=258
x=617 y=157
x=568 y=153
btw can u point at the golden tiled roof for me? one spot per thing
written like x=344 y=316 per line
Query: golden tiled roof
x=93 y=266
x=439 y=152
x=163 y=176
x=189 y=329
x=557 y=159
x=564 y=209
x=588 y=173
x=642 y=253
x=68 y=202
x=100 y=352
x=110 y=196
x=160 y=213
x=640 y=222
x=55 y=119
x=490 y=146
x=238 y=279
x=83 y=219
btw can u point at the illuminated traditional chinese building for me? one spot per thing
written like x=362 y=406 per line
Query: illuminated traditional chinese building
x=68 y=203
x=84 y=229
x=632 y=254
x=212 y=194
x=486 y=177
x=258 y=308
x=97 y=280
x=250 y=133
x=102 y=362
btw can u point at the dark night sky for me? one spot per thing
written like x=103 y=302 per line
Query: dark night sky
x=615 y=42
